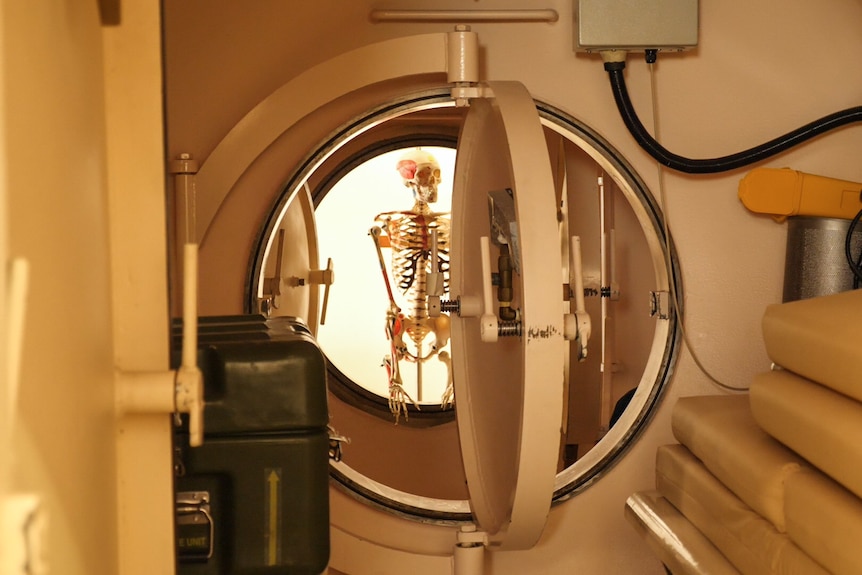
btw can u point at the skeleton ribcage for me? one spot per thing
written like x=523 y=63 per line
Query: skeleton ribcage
x=410 y=238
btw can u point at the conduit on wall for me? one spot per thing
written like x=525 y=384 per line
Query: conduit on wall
x=542 y=15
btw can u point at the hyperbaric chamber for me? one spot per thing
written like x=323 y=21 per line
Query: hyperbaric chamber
x=533 y=422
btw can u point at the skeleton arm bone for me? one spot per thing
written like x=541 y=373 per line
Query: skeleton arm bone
x=375 y=236
x=398 y=396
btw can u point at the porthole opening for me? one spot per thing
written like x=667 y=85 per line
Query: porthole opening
x=384 y=280
x=413 y=468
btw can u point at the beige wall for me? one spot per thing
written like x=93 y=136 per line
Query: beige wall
x=756 y=74
x=57 y=200
x=81 y=126
x=753 y=76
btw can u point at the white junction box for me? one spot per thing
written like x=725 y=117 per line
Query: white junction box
x=635 y=25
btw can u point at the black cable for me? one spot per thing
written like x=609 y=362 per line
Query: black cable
x=857 y=281
x=725 y=163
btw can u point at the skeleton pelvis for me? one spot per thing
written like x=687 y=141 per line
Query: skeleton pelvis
x=418 y=329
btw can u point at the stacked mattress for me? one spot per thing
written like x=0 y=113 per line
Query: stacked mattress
x=771 y=479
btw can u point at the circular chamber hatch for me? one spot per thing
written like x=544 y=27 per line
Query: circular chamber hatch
x=411 y=465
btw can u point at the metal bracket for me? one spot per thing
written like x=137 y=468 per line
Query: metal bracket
x=469 y=553
x=193 y=511
x=659 y=304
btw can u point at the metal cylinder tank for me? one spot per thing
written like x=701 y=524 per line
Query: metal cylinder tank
x=815 y=263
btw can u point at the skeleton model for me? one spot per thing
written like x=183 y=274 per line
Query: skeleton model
x=419 y=240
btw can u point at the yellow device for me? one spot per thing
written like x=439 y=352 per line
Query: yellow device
x=782 y=192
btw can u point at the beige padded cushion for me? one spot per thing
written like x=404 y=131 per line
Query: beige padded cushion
x=818 y=338
x=677 y=542
x=819 y=424
x=721 y=432
x=749 y=541
x=825 y=520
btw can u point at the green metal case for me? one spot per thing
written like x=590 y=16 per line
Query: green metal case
x=253 y=499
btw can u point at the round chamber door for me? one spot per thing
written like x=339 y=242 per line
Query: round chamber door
x=508 y=353
x=541 y=413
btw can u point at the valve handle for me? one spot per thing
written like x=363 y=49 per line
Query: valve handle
x=328 y=280
x=578 y=325
x=488 y=321
x=577 y=275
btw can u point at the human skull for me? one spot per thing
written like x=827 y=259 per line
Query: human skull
x=420 y=172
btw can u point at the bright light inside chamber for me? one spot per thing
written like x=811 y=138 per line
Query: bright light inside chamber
x=354 y=336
